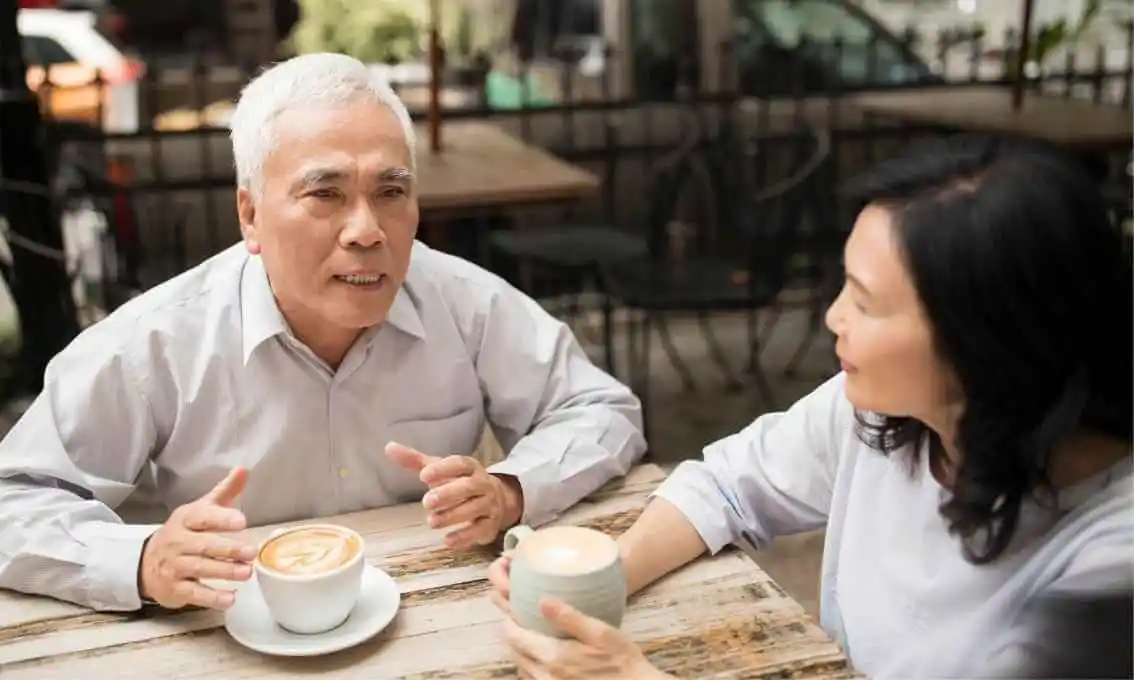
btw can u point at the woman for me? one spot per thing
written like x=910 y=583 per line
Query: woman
x=972 y=457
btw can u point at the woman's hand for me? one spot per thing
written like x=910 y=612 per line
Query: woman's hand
x=595 y=651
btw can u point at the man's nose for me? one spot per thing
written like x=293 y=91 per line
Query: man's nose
x=364 y=231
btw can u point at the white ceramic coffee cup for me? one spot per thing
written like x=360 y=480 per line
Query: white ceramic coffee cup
x=309 y=604
x=548 y=562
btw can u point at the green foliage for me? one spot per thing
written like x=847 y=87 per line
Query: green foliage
x=463 y=36
x=373 y=31
x=1061 y=32
x=1049 y=37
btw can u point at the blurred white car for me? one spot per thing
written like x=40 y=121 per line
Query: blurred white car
x=66 y=49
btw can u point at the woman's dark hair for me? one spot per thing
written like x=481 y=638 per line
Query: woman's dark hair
x=1027 y=287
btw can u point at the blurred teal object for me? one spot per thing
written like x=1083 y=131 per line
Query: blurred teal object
x=503 y=92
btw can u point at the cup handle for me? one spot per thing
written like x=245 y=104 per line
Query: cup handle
x=513 y=536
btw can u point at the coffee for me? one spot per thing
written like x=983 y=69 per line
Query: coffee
x=567 y=551
x=307 y=551
x=580 y=566
x=311 y=576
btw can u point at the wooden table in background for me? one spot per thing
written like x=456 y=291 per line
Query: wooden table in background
x=481 y=166
x=718 y=617
x=1072 y=123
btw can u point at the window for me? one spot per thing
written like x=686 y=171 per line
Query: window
x=783 y=40
x=41 y=51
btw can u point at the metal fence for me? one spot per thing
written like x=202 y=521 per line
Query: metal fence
x=152 y=202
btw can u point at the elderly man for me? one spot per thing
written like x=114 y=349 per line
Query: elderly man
x=264 y=384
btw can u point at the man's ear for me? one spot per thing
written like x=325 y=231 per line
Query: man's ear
x=246 y=213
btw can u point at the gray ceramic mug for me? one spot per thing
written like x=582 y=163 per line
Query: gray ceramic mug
x=580 y=566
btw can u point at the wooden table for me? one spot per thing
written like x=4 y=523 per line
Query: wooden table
x=1076 y=124
x=719 y=617
x=481 y=166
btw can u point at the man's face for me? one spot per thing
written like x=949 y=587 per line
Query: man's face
x=335 y=220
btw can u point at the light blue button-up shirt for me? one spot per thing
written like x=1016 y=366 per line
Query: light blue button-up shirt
x=202 y=374
x=896 y=590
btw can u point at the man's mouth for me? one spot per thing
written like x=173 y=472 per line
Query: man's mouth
x=362 y=280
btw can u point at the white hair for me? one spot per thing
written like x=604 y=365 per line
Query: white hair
x=309 y=80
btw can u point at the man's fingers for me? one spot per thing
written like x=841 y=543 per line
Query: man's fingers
x=481 y=532
x=205 y=517
x=448 y=468
x=410 y=459
x=221 y=548
x=191 y=592
x=470 y=510
x=193 y=567
x=452 y=493
x=226 y=492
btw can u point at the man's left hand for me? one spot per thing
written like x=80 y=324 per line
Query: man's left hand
x=461 y=491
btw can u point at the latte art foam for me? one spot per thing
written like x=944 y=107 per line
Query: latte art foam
x=567 y=551
x=308 y=551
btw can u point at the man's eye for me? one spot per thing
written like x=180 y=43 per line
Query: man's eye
x=392 y=192
x=323 y=194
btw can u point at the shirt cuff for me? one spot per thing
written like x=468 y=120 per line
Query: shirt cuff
x=699 y=502
x=113 y=552
x=533 y=474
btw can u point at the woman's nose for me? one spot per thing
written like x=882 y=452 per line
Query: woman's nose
x=834 y=317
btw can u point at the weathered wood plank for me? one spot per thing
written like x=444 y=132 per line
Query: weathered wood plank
x=718 y=617
x=710 y=617
x=396 y=540
x=449 y=580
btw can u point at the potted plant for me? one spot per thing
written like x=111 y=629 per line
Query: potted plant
x=466 y=65
x=372 y=31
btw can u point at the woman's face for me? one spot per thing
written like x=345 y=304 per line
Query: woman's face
x=884 y=340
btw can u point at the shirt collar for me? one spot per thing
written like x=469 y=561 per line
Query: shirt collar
x=404 y=314
x=259 y=315
x=261 y=318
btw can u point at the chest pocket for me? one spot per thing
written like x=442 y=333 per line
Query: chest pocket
x=457 y=434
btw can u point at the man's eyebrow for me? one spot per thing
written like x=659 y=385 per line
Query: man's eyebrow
x=318 y=175
x=396 y=175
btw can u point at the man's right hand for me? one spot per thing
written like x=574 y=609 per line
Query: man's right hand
x=191 y=546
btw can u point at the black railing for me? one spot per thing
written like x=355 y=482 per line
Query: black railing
x=164 y=188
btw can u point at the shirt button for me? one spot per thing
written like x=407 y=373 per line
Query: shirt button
x=343 y=472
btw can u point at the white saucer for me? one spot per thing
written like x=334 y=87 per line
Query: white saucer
x=249 y=622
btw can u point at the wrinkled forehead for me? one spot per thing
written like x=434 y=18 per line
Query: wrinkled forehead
x=320 y=142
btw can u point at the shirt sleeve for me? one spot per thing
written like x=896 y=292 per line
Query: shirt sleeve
x=773 y=478
x=568 y=426
x=73 y=456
